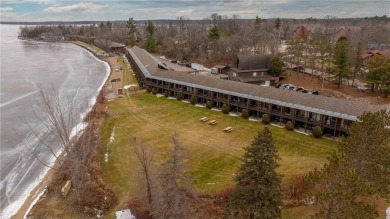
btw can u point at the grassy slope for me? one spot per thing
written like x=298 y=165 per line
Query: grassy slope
x=213 y=154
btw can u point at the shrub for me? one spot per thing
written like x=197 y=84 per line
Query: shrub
x=317 y=132
x=148 y=89
x=245 y=114
x=265 y=119
x=209 y=104
x=289 y=126
x=179 y=96
x=166 y=94
x=154 y=91
x=225 y=109
x=193 y=100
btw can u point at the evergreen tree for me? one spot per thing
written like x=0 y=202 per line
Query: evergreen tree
x=258 y=22
x=379 y=74
x=258 y=192
x=109 y=25
x=341 y=60
x=275 y=66
x=214 y=33
x=150 y=42
x=367 y=150
x=132 y=26
x=358 y=173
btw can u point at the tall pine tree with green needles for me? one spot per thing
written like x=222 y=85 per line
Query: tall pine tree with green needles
x=341 y=60
x=258 y=192
x=150 y=42
x=358 y=174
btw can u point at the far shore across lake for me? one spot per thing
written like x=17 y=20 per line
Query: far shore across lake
x=39 y=190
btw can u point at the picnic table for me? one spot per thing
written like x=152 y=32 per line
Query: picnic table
x=203 y=119
x=228 y=129
x=212 y=122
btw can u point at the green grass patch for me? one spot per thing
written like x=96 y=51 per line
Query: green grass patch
x=213 y=155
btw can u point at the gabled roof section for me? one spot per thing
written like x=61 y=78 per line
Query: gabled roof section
x=249 y=62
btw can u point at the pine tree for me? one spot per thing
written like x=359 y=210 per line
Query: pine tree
x=367 y=150
x=358 y=173
x=132 y=26
x=341 y=60
x=258 y=192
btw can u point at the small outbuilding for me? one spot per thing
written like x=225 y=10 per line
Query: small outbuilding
x=117 y=47
x=220 y=69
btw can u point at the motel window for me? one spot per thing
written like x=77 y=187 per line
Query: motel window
x=234 y=74
x=254 y=73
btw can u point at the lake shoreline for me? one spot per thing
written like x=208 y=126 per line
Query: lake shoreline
x=40 y=189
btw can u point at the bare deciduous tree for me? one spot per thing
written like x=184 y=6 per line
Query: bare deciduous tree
x=145 y=158
x=174 y=195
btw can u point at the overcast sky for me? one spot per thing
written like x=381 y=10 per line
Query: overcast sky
x=104 y=10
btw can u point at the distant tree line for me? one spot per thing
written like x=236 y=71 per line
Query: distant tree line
x=218 y=39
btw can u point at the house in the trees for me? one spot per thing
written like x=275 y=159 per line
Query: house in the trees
x=252 y=69
x=117 y=47
x=300 y=33
x=368 y=54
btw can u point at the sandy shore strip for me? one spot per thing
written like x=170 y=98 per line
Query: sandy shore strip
x=35 y=194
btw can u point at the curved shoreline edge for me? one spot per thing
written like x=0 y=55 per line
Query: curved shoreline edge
x=38 y=190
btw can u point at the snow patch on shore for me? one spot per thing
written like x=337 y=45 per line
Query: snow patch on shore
x=112 y=139
x=16 y=205
x=129 y=86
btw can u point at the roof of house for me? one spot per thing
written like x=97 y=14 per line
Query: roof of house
x=256 y=78
x=248 y=62
x=116 y=45
x=250 y=70
x=331 y=106
x=220 y=66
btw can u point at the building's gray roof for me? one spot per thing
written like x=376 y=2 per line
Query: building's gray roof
x=340 y=108
x=249 y=62
x=220 y=66
x=256 y=78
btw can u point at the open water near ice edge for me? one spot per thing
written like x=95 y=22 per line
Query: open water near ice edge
x=26 y=65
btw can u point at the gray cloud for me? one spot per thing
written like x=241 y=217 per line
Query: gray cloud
x=81 y=7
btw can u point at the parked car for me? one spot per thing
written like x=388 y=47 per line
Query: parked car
x=304 y=91
x=285 y=86
x=298 y=68
x=298 y=88
x=314 y=92
x=290 y=87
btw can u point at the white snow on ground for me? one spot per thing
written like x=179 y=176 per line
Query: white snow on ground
x=124 y=214
x=233 y=114
x=185 y=101
x=199 y=105
x=171 y=98
x=112 y=137
x=129 y=86
x=301 y=132
x=254 y=119
x=216 y=109
x=159 y=95
x=106 y=157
